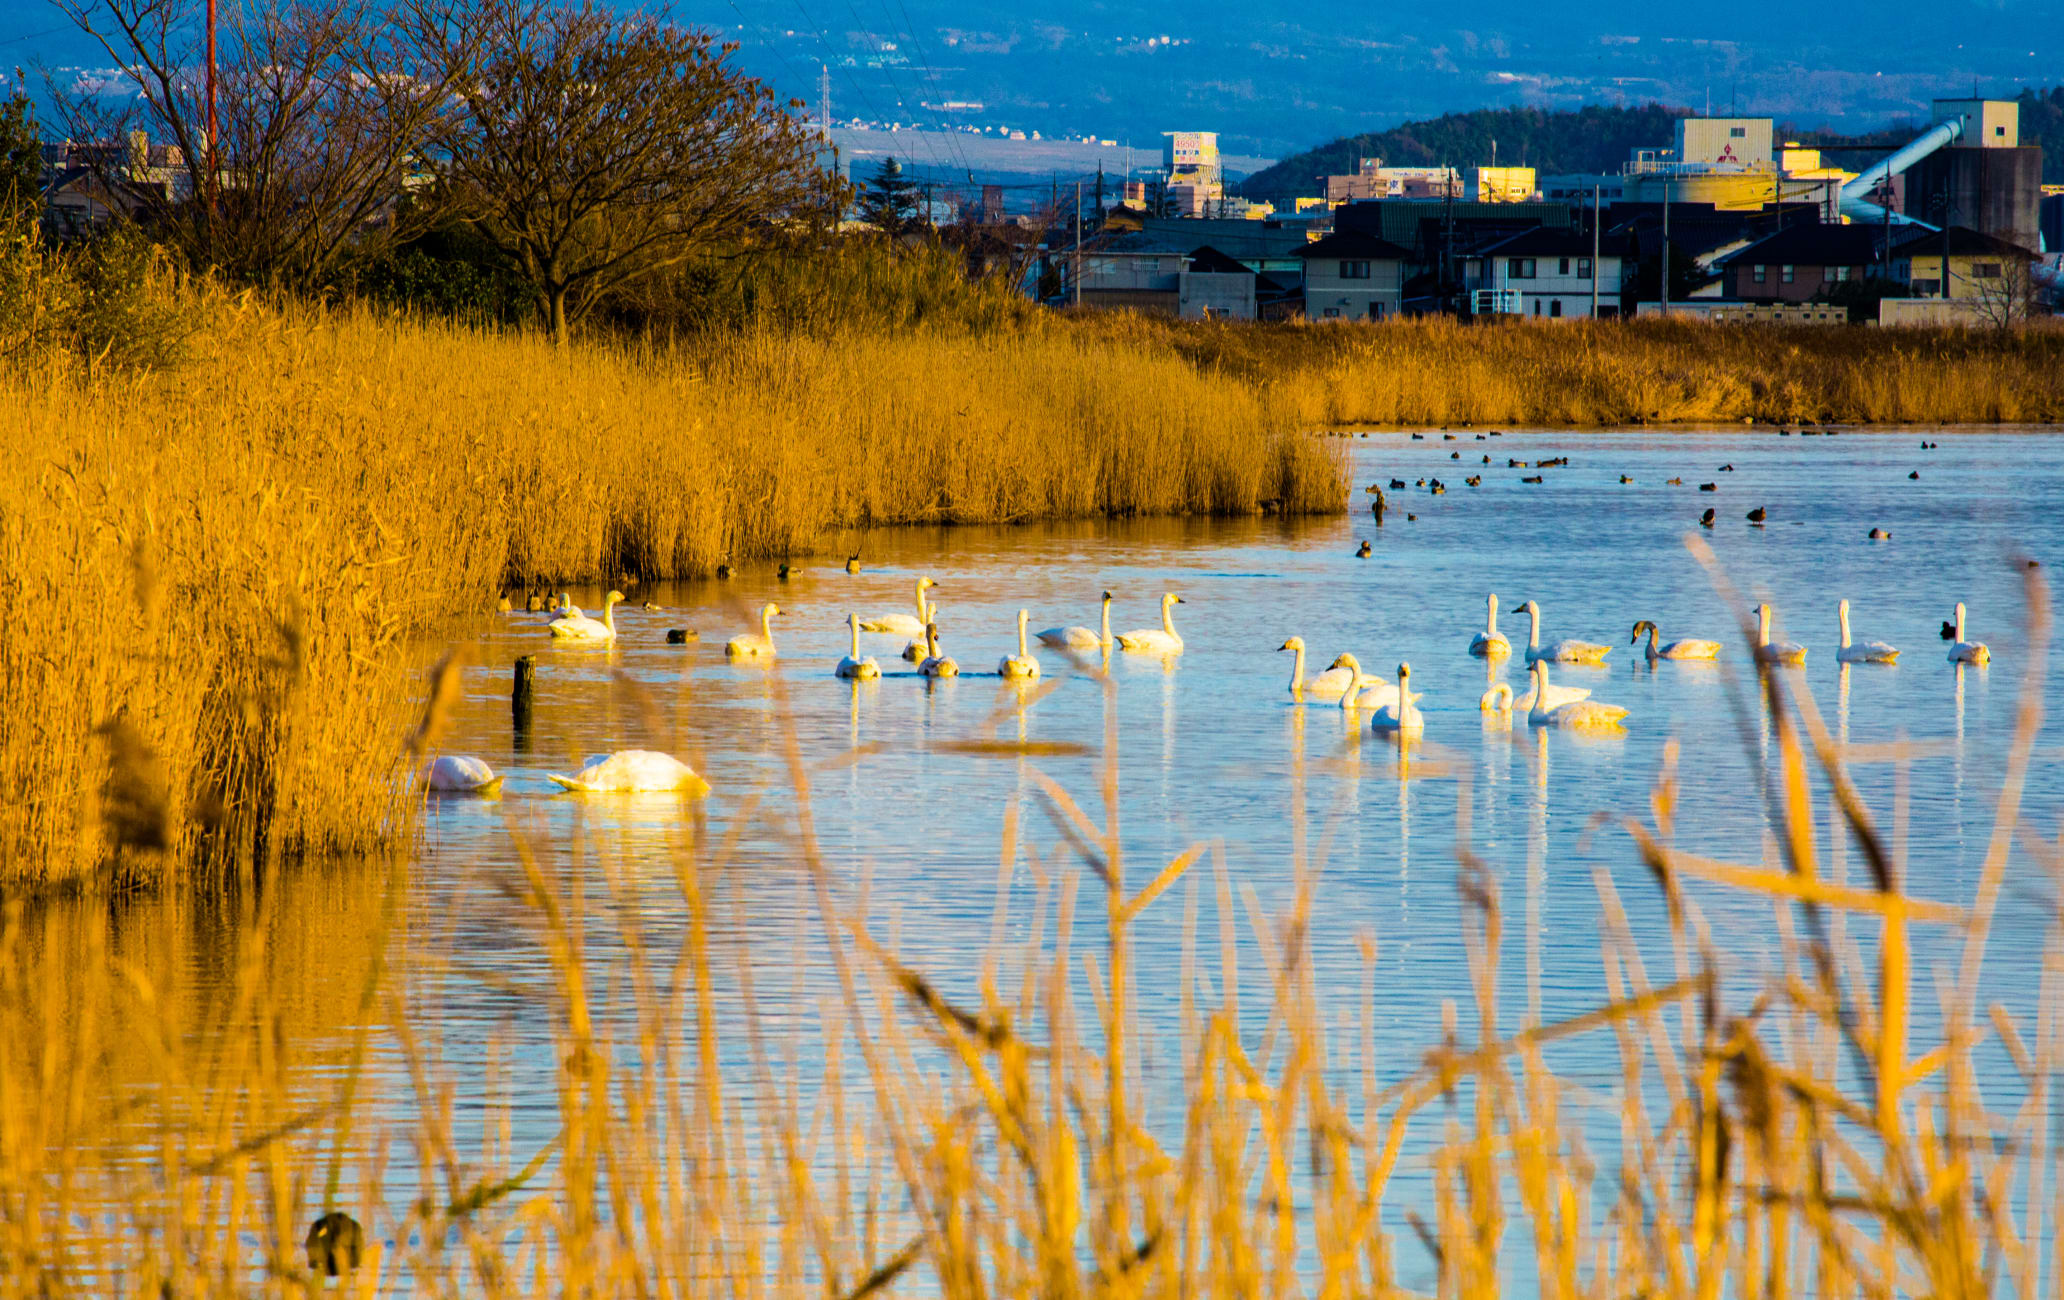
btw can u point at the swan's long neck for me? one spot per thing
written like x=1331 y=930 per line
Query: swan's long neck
x=1762 y=625
x=853 y=626
x=1652 y=636
x=1533 y=636
x=1023 y=653
x=1107 y=622
x=931 y=641
x=1843 y=611
x=1297 y=673
x=609 y=616
x=920 y=598
x=1960 y=622
x=1168 y=617
x=767 y=624
x=1491 y=617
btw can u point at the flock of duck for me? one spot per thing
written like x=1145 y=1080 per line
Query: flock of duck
x=1393 y=704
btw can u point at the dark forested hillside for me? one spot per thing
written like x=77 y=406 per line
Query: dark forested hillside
x=2042 y=122
x=1587 y=139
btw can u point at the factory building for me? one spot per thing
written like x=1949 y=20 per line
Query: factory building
x=1985 y=178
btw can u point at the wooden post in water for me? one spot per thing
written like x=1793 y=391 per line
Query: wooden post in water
x=520 y=694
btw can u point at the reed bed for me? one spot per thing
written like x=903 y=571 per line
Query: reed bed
x=1423 y=373
x=991 y=1129
x=220 y=565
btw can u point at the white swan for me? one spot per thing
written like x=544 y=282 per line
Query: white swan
x=1490 y=643
x=1399 y=717
x=1967 y=652
x=458 y=774
x=1367 y=692
x=1775 y=652
x=1328 y=685
x=1690 y=648
x=1158 y=642
x=936 y=664
x=1500 y=699
x=1020 y=665
x=580 y=627
x=564 y=609
x=755 y=647
x=1562 y=652
x=631 y=771
x=903 y=624
x=1866 y=652
x=1572 y=714
x=1079 y=638
x=853 y=666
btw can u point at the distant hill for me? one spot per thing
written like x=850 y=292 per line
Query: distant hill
x=1589 y=139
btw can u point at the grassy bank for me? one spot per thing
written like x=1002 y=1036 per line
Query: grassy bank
x=221 y=561
x=1022 y=1134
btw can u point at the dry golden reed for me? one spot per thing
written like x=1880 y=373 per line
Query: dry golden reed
x=222 y=564
x=1025 y=1136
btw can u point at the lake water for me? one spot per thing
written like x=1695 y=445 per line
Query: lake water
x=1213 y=749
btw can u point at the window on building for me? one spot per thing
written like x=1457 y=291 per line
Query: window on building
x=1925 y=288
x=1375 y=311
x=1738 y=132
x=1759 y=273
x=1583 y=268
x=1788 y=273
x=1562 y=267
x=1519 y=268
x=1837 y=274
x=1354 y=270
x=1332 y=311
x=1985 y=270
x=1537 y=306
x=1555 y=307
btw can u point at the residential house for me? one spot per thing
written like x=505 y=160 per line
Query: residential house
x=1130 y=271
x=1352 y=276
x=1545 y=274
x=1804 y=263
x=1981 y=266
x=1215 y=287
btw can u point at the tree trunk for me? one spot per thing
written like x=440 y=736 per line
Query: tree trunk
x=555 y=312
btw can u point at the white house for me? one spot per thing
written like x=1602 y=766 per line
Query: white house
x=1545 y=274
x=1352 y=276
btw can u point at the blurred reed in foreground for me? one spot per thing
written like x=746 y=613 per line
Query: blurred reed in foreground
x=216 y=569
x=1797 y=1136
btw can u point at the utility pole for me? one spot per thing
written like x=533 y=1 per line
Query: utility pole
x=1594 y=252
x=823 y=96
x=1078 y=243
x=1666 y=246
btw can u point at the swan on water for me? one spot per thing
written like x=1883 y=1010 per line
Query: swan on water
x=1079 y=638
x=579 y=627
x=1966 y=652
x=1328 y=685
x=936 y=664
x=1689 y=648
x=854 y=666
x=914 y=649
x=755 y=647
x=1573 y=714
x=1490 y=643
x=1865 y=652
x=564 y=609
x=903 y=624
x=1163 y=641
x=1367 y=692
x=1775 y=652
x=1500 y=698
x=633 y=771
x=459 y=774
x=1020 y=665
x=1399 y=717
x=1568 y=651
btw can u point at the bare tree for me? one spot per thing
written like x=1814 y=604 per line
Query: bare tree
x=2009 y=297
x=323 y=117
x=594 y=149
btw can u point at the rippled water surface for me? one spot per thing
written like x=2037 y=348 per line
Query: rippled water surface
x=1213 y=749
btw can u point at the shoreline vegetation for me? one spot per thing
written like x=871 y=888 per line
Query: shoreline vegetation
x=238 y=510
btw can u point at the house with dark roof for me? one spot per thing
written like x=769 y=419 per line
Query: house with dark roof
x=1546 y=274
x=1804 y=263
x=1215 y=287
x=1349 y=275
x=1981 y=266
